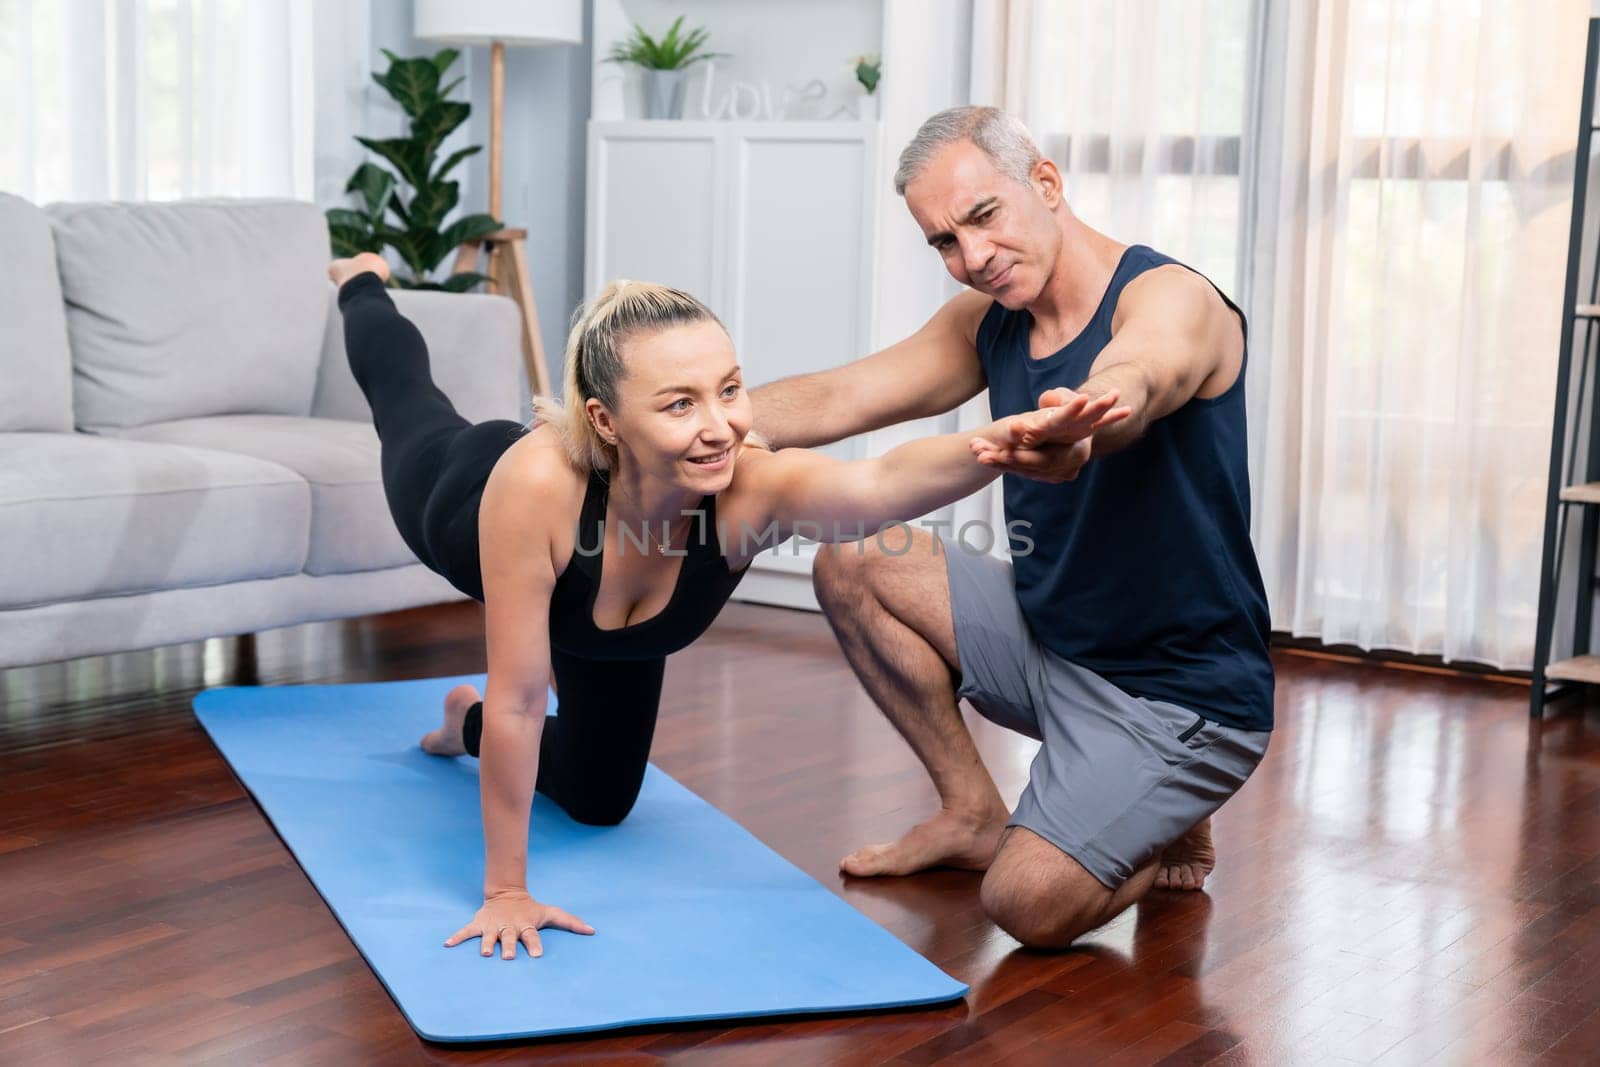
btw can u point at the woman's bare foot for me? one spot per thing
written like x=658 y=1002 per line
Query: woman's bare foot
x=949 y=839
x=342 y=270
x=1186 y=862
x=446 y=740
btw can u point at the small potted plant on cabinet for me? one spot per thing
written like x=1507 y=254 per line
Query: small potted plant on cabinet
x=665 y=63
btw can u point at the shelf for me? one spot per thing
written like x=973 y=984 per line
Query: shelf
x=1577 y=669
x=1573 y=363
x=1588 y=493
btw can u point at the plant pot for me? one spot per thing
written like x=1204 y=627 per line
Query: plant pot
x=867 y=106
x=663 y=93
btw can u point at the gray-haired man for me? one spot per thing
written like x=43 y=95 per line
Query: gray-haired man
x=1132 y=638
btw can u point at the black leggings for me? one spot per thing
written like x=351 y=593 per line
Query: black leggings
x=592 y=755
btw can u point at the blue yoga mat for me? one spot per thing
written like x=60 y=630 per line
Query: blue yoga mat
x=694 y=917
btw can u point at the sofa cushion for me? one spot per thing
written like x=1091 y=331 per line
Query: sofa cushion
x=199 y=307
x=474 y=348
x=35 y=364
x=85 y=516
x=350 y=525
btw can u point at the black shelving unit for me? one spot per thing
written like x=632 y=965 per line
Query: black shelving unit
x=1567 y=493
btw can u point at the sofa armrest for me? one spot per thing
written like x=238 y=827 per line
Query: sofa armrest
x=474 y=344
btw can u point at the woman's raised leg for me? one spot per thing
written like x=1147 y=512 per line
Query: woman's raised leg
x=415 y=421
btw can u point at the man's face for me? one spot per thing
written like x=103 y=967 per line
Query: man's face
x=994 y=233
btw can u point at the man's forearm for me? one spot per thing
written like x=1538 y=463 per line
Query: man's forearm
x=1133 y=391
x=797 y=412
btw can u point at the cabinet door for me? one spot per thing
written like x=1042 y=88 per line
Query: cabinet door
x=799 y=247
x=653 y=213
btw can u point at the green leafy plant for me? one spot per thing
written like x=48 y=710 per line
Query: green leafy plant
x=671 y=52
x=868 y=70
x=416 y=231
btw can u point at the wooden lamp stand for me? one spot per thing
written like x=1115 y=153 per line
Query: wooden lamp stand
x=507 y=248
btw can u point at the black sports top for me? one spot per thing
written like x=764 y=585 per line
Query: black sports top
x=704 y=585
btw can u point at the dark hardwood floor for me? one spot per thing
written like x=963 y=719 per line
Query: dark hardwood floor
x=1413 y=874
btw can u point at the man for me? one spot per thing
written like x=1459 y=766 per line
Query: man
x=1129 y=632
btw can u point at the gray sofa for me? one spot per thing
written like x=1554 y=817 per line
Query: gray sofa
x=183 y=451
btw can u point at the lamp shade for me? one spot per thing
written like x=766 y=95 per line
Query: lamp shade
x=514 y=22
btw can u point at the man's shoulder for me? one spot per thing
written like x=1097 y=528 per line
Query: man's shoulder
x=966 y=312
x=1171 y=290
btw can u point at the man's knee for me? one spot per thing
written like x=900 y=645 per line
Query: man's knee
x=840 y=574
x=1036 y=915
x=859 y=582
x=1040 y=895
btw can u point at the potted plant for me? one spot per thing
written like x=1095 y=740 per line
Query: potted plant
x=417 y=233
x=665 y=64
x=868 y=70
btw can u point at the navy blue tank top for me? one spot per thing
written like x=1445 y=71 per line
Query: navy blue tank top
x=1142 y=569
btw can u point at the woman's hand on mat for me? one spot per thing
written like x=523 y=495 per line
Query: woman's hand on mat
x=1052 y=443
x=513 y=916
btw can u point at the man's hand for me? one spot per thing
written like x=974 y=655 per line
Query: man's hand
x=1052 y=443
x=513 y=916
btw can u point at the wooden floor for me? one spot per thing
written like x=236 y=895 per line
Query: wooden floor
x=1413 y=874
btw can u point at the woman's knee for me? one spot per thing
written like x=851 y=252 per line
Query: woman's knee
x=601 y=813
x=601 y=809
x=605 y=792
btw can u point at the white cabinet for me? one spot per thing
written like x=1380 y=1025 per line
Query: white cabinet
x=655 y=212
x=771 y=224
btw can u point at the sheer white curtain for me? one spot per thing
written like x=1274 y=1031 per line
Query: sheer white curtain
x=1386 y=189
x=1407 y=260
x=1141 y=104
x=162 y=99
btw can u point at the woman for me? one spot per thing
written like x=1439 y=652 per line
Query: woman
x=602 y=540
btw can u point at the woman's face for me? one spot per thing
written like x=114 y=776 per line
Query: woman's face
x=681 y=411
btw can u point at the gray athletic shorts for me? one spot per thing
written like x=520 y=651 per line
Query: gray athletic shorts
x=1118 y=777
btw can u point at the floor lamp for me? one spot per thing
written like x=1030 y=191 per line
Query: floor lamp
x=498 y=23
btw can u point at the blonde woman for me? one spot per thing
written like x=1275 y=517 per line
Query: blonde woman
x=601 y=540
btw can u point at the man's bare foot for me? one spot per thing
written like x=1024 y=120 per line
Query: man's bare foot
x=342 y=270
x=1186 y=862
x=949 y=839
x=446 y=740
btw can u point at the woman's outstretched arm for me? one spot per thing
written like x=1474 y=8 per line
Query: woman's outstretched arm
x=825 y=499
